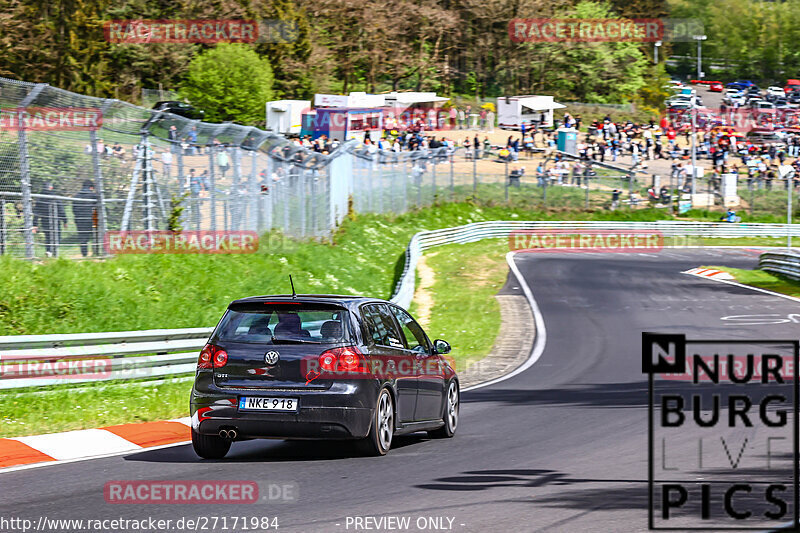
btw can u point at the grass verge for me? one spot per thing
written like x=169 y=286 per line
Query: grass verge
x=466 y=278
x=763 y=280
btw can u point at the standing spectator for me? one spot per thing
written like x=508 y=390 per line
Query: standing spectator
x=615 y=198
x=49 y=215
x=468 y=112
x=461 y=119
x=166 y=163
x=224 y=161
x=84 y=214
x=490 y=117
x=193 y=140
x=476 y=145
x=483 y=118
x=172 y=135
x=453 y=117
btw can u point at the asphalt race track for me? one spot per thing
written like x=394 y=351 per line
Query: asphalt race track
x=559 y=447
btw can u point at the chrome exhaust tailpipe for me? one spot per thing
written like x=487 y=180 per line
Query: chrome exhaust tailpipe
x=232 y=434
x=223 y=433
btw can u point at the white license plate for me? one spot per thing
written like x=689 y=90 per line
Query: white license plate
x=251 y=403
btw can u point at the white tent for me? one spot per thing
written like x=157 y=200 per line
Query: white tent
x=512 y=111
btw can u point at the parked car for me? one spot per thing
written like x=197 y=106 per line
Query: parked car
x=715 y=87
x=764 y=136
x=740 y=84
x=774 y=92
x=180 y=108
x=791 y=85
x=320 y=367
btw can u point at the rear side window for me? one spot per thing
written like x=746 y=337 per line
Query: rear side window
x=260 y=323
x=380 y=325
x=415 y=337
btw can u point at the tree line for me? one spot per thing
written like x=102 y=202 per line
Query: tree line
x=455 y=47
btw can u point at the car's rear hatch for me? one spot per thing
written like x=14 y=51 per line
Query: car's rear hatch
x=278 y=345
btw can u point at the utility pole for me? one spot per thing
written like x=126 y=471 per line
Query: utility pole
x=700 y=39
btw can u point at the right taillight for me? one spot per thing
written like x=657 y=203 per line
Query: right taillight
x=212 y=357
x=345 y=359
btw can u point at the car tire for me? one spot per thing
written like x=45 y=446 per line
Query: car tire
x=450 y=419
x=210 y=446
x=379 y=439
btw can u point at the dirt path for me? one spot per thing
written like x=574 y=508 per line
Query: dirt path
x=422 y=295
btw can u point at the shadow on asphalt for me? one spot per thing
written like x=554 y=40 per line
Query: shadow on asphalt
x=605 y=395
x=271 y=451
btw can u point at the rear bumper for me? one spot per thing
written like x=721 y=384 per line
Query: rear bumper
x=344 y=411
x=308 y=423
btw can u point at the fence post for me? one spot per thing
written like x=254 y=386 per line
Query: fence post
x=253 y=219
x=369 y=186
x=212 y=185
x=452 y=179
x=234 y=195
x=586 y=185
x=505 y=181
x=301 y=188
x=475 y=173
x=433 y=195
x=2 y=226
x=148 y=183
x=313 y=203
x=98 y=182
x=379 y=170
x=405 y=183
x=631 y=177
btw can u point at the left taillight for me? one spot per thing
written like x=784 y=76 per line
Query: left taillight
x=212 y=357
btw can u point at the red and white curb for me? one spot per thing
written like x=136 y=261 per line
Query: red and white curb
x=709 y=273
x=91 y=443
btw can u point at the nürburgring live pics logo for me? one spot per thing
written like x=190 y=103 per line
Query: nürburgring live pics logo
x=722 y=433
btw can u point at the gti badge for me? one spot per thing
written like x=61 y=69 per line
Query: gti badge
x=271 y=357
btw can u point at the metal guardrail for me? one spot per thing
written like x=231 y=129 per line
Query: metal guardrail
x=39 y=360
x=404 y=291
x=785 y=263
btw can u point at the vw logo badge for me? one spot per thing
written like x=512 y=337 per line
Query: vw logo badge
x=271 y=357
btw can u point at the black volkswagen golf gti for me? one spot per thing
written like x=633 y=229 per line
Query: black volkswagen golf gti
x=320 y=367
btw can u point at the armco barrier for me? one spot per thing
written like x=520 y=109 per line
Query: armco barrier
x=404 y=291
x=39 y=360
x=163 y=353
x=785 y=263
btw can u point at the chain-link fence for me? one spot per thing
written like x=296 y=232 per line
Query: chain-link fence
x=74 y=169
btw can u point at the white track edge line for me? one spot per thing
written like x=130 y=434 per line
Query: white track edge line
x=541 y=333
x=89 y=458
x=737 y=284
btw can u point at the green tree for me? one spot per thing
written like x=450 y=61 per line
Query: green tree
x=230 y=82
x=594 y=72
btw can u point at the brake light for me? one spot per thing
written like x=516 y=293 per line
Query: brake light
x=212 y=357
x=346 y=359
x=220 y=358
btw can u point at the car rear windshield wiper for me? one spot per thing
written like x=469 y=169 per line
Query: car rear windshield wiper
x=276 y=340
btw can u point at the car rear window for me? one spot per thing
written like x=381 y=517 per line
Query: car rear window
x=265 y=323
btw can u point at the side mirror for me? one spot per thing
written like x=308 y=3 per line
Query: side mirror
x=441 y=346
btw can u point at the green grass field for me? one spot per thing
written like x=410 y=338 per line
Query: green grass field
x=466 y=278
x=171 y=291
x=763 y=280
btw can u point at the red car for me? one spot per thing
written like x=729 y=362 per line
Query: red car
x=715 y=87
